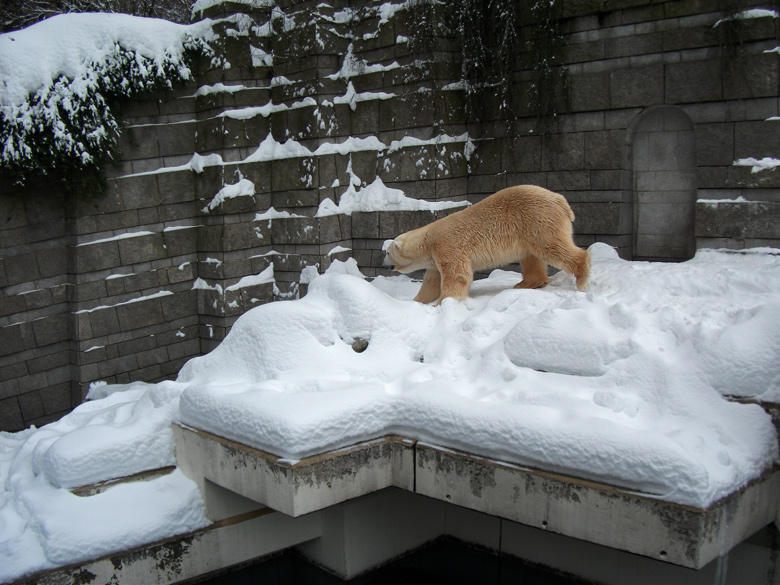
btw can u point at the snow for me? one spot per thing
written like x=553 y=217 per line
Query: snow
x=265 y=277
x=200 y=284
x=33 y=58
x=338 y=250
x=352 y=66
x=196 y=164
x=43 y=525
x=758 y=165
x=201 y=5
x=58 y=75
x=266 y=110
x=272 y=214
x=157 y=295
x=351 y=97
x=176 y=228
x=218 y=88
x=373 y=197
x=456 y=86
x=260 y=58
x=736 y=200
x=270 y=149
x=379 y=197
x=350 y=145
x=280 y=80
x=387 y=11
x=308 y=274
x=124 y=236
x=244 y=188
x=624 y=384
x=749 y=14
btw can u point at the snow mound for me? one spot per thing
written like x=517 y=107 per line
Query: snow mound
x=125 y=430
x=622 y=385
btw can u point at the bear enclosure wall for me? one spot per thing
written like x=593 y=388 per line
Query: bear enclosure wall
x=219 y=202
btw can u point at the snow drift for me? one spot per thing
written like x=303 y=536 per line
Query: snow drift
x=622 y=385
x=625 y=384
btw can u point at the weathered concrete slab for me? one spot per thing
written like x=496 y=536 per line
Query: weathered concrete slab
x=232 y=477
x=595 y=512
x=93 y=489
x=223 y=544
x=294 y=487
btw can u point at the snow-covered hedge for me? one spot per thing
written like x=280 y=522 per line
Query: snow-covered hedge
x=60 y=75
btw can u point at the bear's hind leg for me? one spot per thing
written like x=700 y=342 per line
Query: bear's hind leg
x=571 y=259
x=431 y=287
x=582 y=270
x=534 y=272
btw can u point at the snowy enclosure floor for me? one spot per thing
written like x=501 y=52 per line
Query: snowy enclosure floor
x=622 y=385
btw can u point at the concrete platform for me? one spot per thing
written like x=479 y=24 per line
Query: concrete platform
x=598 y=513
x=192 y=556
x=234 y=478
x=293 y=488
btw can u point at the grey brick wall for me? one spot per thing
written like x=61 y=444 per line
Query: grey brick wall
x=129 y=284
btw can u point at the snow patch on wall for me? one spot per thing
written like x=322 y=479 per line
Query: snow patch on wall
x=379 y=197
x=749 y=14
x=265 y=277
x=244 y=188
x=758 y=165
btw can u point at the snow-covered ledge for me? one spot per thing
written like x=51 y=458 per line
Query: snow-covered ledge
x=617 y=394
x=586 y=510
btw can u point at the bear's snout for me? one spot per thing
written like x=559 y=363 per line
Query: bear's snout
x=389 y=262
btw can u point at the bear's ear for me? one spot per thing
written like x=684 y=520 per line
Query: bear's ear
x=387 y=244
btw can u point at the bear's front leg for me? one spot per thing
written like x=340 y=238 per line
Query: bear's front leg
x=431 y=287
x=456 y=279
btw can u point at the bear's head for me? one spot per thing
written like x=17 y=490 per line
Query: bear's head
x=401 y=257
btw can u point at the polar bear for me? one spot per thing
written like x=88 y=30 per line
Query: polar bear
x=526 y=224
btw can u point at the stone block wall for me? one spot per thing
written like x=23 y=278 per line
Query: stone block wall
x=34 y=323
x=229 y=188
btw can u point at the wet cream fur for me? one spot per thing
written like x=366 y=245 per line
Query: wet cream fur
x=525 y=224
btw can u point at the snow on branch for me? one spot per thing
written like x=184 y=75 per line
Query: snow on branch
x=60 y=75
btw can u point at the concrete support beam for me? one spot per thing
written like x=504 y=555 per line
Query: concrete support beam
x=235 y=478
x=367 y=532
